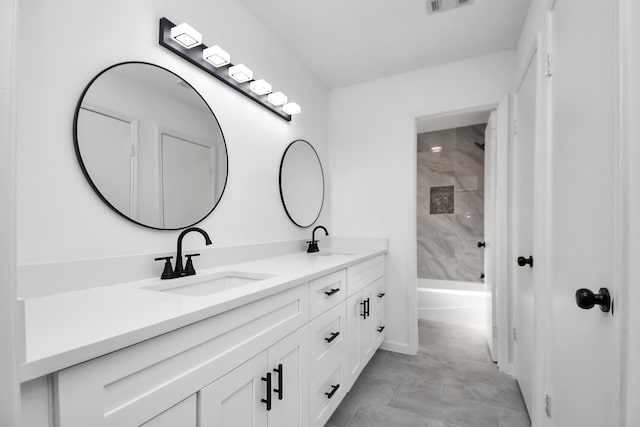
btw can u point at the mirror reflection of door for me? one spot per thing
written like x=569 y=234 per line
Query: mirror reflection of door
x=129 y=114
x=113 y=147
x=187 y=178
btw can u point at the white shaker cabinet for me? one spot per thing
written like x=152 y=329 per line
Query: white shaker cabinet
x=298 y=350
x=365 y=314
x=267 y=390
x=134 y=385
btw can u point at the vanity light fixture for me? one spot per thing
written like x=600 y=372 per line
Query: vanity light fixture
x=186 y=35
x=216 y=56
x=277 y=98
x=185 y=42
x=240 y=73
x=261 y=87
x=436 y=149
x=291 y=108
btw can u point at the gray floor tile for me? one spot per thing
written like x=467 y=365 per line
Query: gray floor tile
x=450 y=383
x=385 y=416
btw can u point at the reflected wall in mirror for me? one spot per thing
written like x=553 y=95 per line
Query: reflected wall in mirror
x=301 y=183
x=150 y=146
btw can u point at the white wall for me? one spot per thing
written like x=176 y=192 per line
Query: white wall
x=372 y=140
x=62 y=45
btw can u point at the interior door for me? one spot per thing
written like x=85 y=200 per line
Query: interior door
x=109 y=158
x=188 y=180
x=583 y=87
x=523 y=207
x=491 y=327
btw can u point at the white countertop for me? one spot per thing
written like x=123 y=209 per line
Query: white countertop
x=65 y=329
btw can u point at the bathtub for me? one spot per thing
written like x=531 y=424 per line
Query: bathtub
x=452 y=301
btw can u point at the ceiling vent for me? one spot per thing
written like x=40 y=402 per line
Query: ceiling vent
x=436 y=6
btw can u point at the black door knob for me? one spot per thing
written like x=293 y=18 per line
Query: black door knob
x=522 y=261
x=587 y=299
x=482 y=244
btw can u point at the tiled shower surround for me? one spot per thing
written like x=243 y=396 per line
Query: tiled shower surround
x=448 y=235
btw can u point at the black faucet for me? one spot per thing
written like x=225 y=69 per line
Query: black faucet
x=180 y=271
x=313 y=243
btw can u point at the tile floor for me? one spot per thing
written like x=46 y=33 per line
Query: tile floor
x=450 y=383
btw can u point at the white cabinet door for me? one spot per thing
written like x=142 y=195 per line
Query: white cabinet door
x=183 y=414
x=269 y=389
x=360 y=341
x=366 y=330
x=355 y=313
x=236 y=399
x=288 y=361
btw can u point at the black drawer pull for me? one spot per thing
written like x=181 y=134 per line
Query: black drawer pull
x=332 y=291
x=333 y=336
x=381 y=328
x=381 y=294
x=267 y=401
x=334 y=388
x=364 y=309
x=368 y=307
x=280 y=373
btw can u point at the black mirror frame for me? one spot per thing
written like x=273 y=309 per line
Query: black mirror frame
x=86 y=173
x=284 y=204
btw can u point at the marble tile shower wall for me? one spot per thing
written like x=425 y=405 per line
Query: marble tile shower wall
x=451 y=204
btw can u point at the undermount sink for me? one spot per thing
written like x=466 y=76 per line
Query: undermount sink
x=209 y=284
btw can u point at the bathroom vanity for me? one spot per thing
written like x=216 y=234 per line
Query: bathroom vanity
x=271 y=342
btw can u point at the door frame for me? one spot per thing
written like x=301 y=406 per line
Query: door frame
x=502 y=156
x=629 y=104
x=11 y=316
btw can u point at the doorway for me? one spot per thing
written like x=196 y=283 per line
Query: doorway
x=495 y=290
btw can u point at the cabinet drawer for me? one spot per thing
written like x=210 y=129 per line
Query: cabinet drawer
x=327 y=334
x=360 y=275
x=326 y=292
x=378 y=296
x=326 y=390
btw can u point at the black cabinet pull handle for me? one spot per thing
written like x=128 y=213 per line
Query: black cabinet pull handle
x=267 y=401
x=280 y=373
x=381 y=294
x=482 y=244
x=482 y=275
x=332 y=291
x=587 y=299
x=333 y=336
x=381 y=328
x=334 y=388
x=367 y=307
x=522 y=261
x=364 y=309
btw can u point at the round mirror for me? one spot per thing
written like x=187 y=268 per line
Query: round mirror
x=150 y=146
x=301 y=183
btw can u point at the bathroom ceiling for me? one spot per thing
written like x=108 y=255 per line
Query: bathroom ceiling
x=345 y=42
